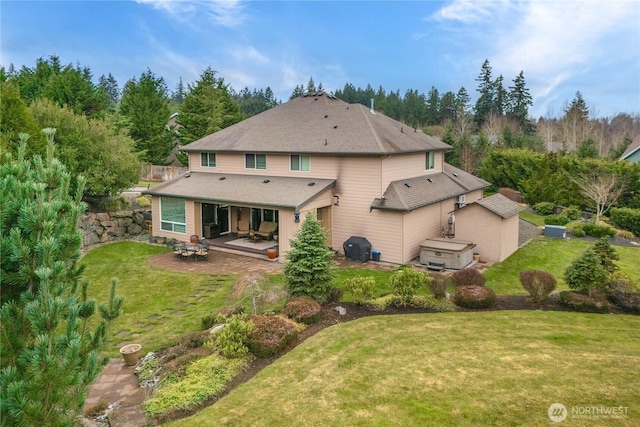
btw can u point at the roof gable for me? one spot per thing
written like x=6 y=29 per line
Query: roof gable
x=413 y=193
x=319 y=124
x=632 y=148
x=499 y=205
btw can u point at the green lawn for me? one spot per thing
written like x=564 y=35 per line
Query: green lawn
x=449 y=369
x=553 y=256
x=159 y=305
x=533 y=218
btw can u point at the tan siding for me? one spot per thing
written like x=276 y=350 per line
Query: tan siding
x=419 y=225
x=496 y=238
x=407 y=166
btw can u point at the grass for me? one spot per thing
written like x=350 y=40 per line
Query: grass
x=533 y=218
x=159 y=305
x=553 y=256
x=450 y=369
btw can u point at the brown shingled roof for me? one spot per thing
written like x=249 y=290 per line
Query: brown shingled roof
x=319 y=124
x=282 y=192
x=409 y=194
x=500 y=205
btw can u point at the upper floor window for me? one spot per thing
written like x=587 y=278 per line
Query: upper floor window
x=255 y=161
x=299 y=163
x=208 y=160
x=430 y=160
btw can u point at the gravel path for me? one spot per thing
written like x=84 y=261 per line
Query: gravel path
x=527 y=232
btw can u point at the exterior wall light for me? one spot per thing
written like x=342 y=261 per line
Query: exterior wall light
x=296 y=217
x=336 y=200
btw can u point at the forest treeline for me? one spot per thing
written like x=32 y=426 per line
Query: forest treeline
x=105 y=131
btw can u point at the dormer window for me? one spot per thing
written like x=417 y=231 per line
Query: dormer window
x=255 y=161
x=208 y=160
x=300 y=163
x=430 y=160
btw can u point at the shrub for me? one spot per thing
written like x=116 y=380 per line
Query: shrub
x=572 y=212
x=544 y=208
x=585 y=272
x=361 y=288
x=406 y=281
x=335 y=295
x=468 y=276
x=577 y=231
x=474 y=296
x=204 y=378
x=439 y=285
x=271 y=335
x=212 y=319
x=594 y=230
x=607 y=255
x=556 y=220
x=193 y=339
x=622 y=283
x=625 y=234
x=539 y=284
x=629 y=303
x=143 y=201
x=582 y=303
x=512 y=194
x=233 y=338
x=626 y=218
x=303 y=310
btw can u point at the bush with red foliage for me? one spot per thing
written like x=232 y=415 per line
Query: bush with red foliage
x=303 y=310
x=472 y=296
x=468 y=276
x=271 y=335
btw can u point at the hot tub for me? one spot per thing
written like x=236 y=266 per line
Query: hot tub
x=440 y=254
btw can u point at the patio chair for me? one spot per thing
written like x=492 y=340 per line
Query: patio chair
x=266 y=230
x=202 y=254
x=243 y=228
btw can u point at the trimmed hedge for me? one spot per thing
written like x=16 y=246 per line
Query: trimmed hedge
x=582 y=303
x=472 y=296
x=539 y=284
x=468 y=276
x=303 y=310
x=544 y=208
x=271 y=335
x=594 y=230
x=556 y=220
x=626 y=218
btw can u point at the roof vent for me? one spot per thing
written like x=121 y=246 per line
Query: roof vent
x=266 y=181
x=335 y=126
x=222 y=178
x=455 y=174
x=325 y=142
x=429 y=179
x=311 y=184
x=187 y=174
x=325 y=116
x=406 y=184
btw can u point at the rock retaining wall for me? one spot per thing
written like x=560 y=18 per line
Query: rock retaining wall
x=107 y=226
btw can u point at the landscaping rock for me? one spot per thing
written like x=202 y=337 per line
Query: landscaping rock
x=341 y=310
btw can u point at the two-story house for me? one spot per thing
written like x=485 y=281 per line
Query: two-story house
x=360 y=172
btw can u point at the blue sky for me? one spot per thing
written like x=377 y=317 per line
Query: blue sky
x=562 y=46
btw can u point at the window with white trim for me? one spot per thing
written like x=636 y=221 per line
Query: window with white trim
x=255 y=161
x=208 y=160
x=172 y=215
x=300 y=163
x=430 y=160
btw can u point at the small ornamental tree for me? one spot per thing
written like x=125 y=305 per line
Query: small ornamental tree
x=308 y=269
x=49 y=351
x=406 y=282
x=586 y=272
x=608 y=255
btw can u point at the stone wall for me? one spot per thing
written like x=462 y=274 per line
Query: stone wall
x=104 y=227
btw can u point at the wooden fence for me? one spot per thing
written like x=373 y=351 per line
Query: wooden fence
x=161 y=173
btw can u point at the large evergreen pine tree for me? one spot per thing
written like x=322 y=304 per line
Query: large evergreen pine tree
x=145 y=104
x=49 y=353
x=207 y=107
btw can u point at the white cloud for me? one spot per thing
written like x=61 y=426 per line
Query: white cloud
x=227 y=13
x=466 y=10
x=247 y=53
